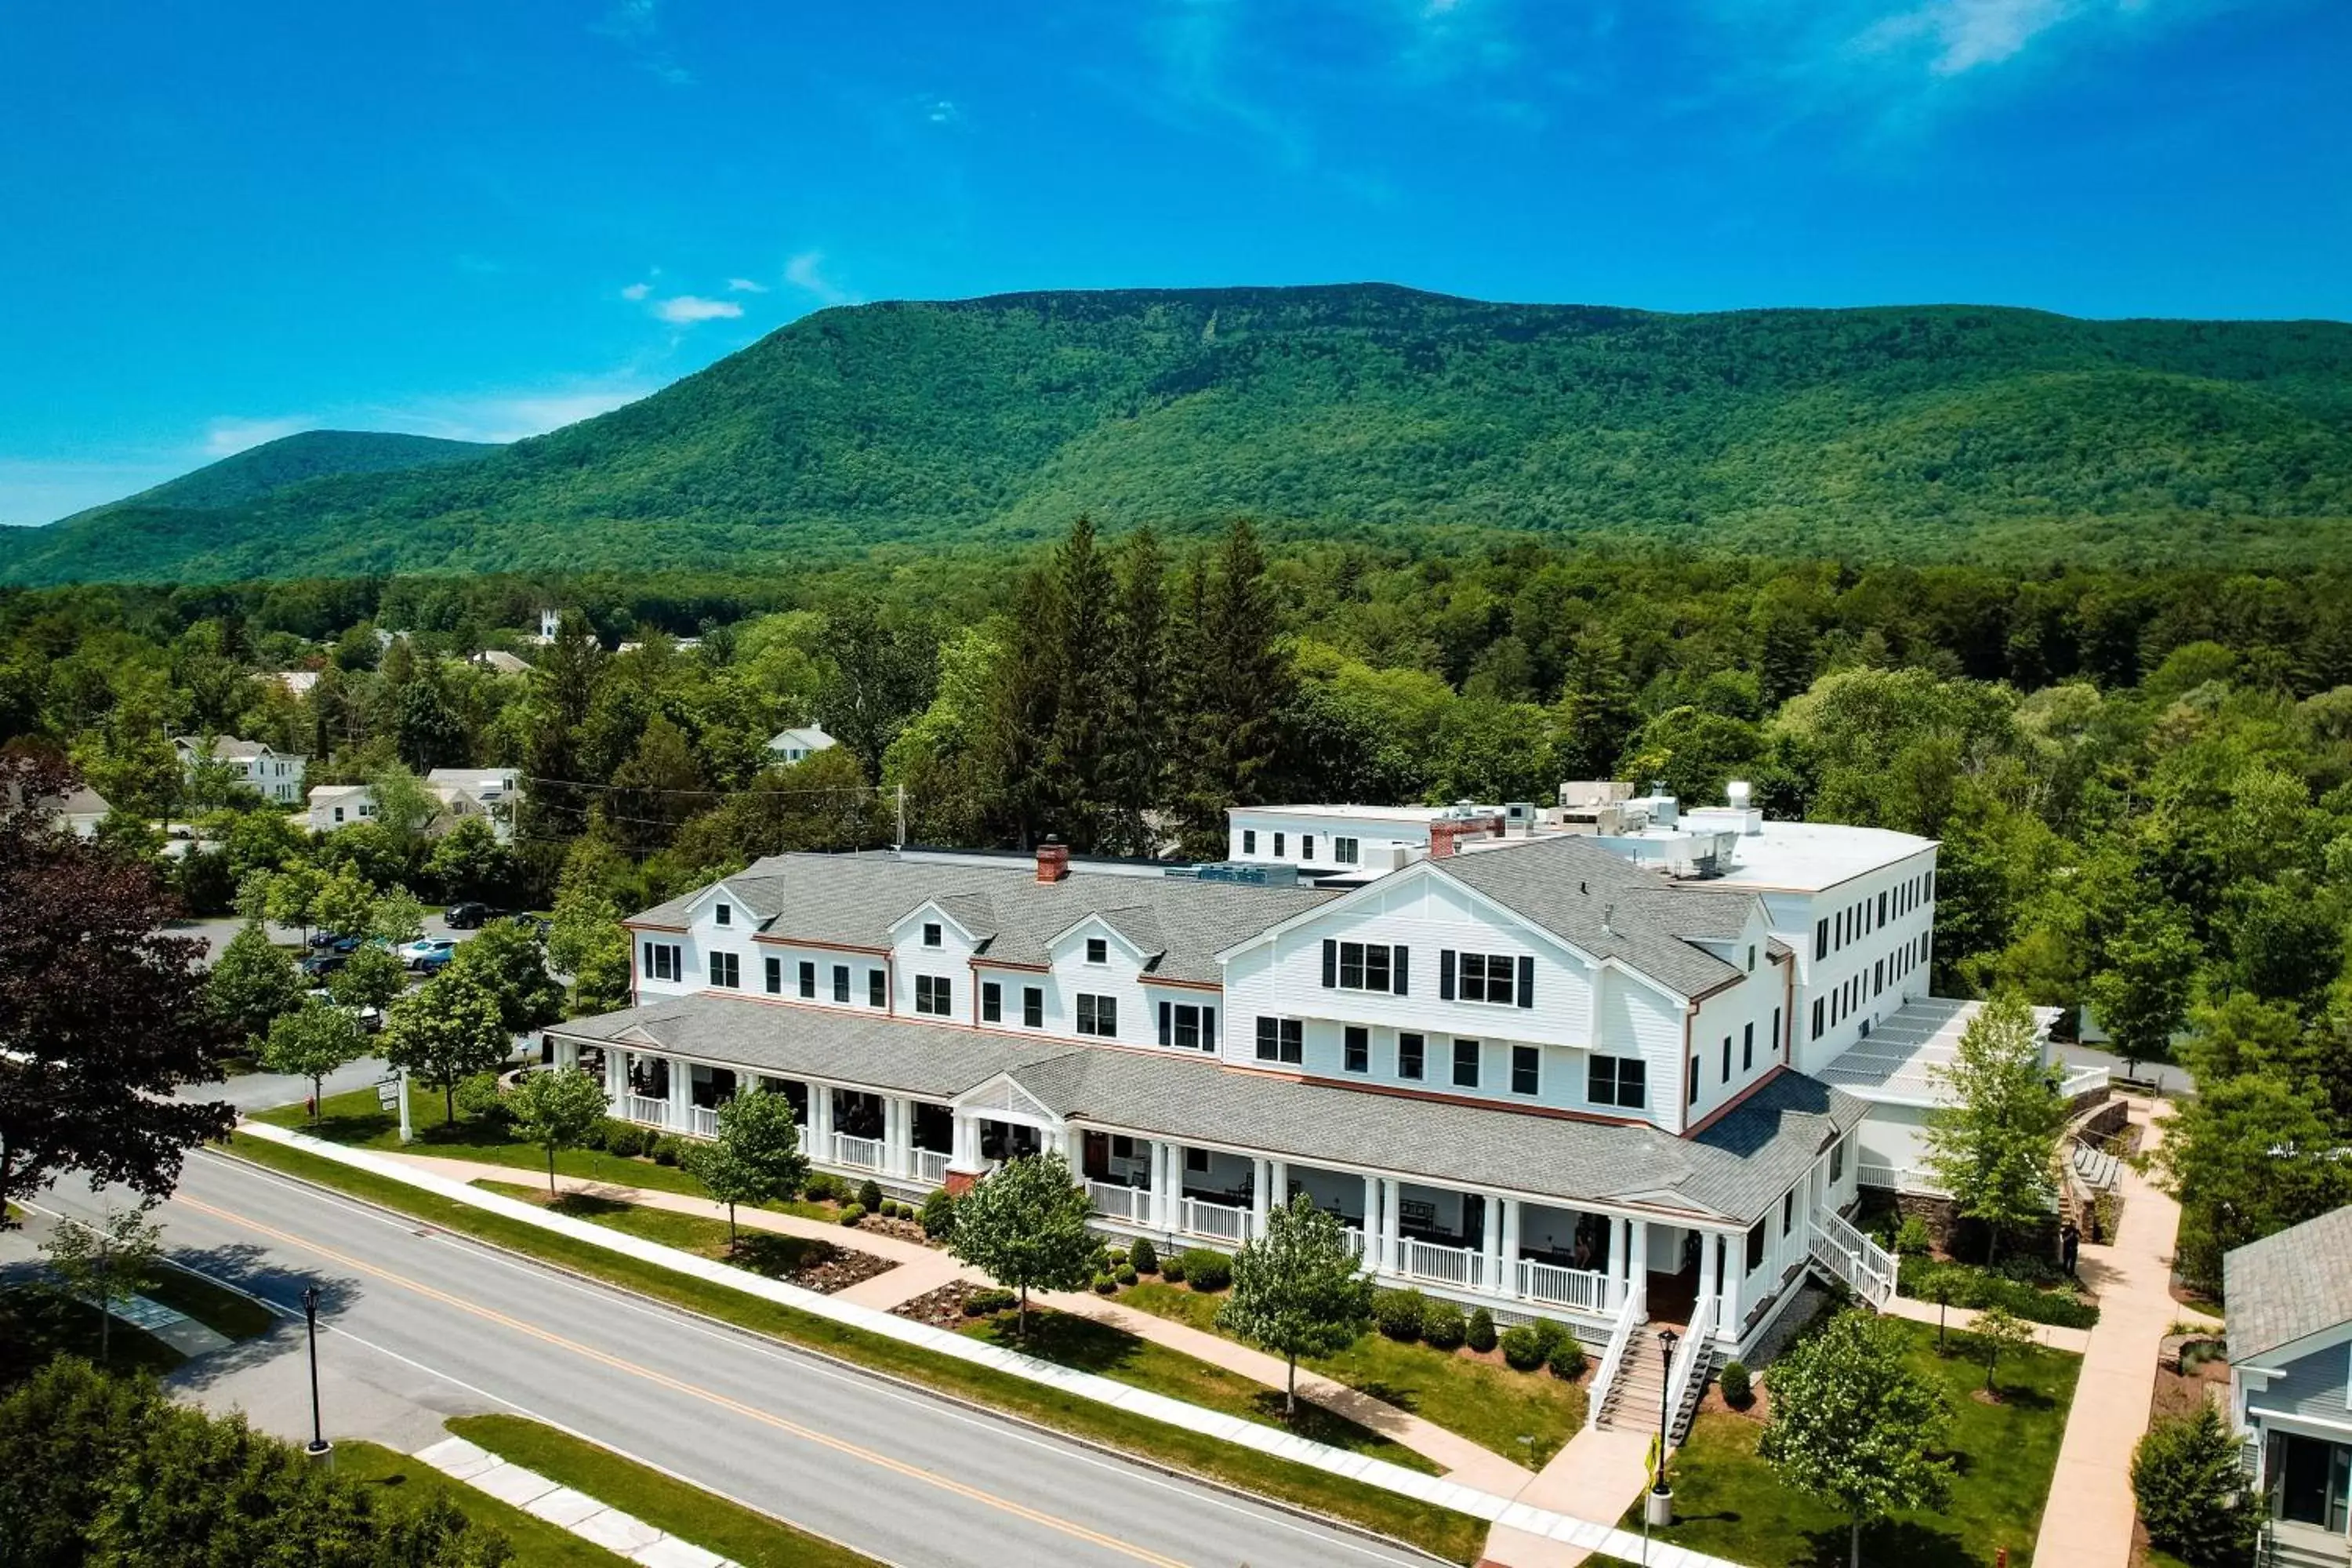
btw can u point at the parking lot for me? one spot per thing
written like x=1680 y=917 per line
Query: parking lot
x=216 y=933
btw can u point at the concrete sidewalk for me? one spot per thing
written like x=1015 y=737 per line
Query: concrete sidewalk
x=2133 y=1280
x=1598 y=1476
x=623 y=1534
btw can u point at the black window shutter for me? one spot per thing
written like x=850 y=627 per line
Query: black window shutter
x=1165 y=1012
x=1208 y=1028
x=1526 y=981
x=1446 y=973
x=1397 y=967
x=1331 y=964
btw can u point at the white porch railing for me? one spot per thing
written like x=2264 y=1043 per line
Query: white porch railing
x=1864 y=1266
x=1351 y=1237
x=931 y=1166
x=1631 y=1316
x=1583 y=1290
x=1897 y=1178
x=1690 y=1356
x=644 y=1108
x=858 y=1153
x=702 y=1121
x=1218 y=1222
x=1112 y=1201
x=2082 y=1081
x=1439 y=1264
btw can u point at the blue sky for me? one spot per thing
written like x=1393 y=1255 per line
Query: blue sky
x=221 y=222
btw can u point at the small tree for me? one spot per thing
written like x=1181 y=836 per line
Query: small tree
x=445 y=1032
x=371 y=977
x=106 y=1263
x=2193 y=1493
x=557 y=1110
x=290 y=894
x=507 y=959
x=1298 y=1290
x=585 y=941
x=252 y=983
x=1995 y=1147
x=1852 y=1426
x=756 y=1158
x=1027 y=1226
x=343 y=903
x=2142 y=993
x=1999 y=1332
x=312 y=1041
x=397 y=917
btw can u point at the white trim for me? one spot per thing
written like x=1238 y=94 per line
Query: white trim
x=1094 y=918
x=932 y=906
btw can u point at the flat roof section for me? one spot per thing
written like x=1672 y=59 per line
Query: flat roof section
x=1901 y=1058
x=1808 y=857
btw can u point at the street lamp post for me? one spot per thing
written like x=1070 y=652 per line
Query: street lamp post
x=1658 y=1507
x=320 y=1450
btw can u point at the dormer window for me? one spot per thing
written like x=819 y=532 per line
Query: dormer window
x=1097 y=949
x=722 y=914
x=931 y=935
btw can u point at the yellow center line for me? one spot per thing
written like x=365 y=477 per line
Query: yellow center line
x=884 y=1461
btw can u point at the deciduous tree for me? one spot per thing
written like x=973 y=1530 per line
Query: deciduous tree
x=506 y=957
x=445 y=1032
x=1853 y=1425
x=1298 y=1290
x=557 y=1110
x=1995 y=1146
x=312 y=1041
x=252 y=983
x=105 y=1264
x=1024 y=1226
x=756 y=1158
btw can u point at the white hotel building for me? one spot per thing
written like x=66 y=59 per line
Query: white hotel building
x=1535 y=1075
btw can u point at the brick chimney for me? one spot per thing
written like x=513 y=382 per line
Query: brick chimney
x=1053 y=860
x=1442 y=836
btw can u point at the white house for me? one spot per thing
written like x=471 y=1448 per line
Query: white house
x=2290 y=1343
x=81 y=808
x=1354 y=843
x=274 y=776
x=340 y=805
x=492 y=792
x=798 y=745
x=1541 y=1079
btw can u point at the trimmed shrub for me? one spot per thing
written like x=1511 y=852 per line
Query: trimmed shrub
x=480 y=1099
x=2192 y=1493
x=1172 y=1271
x=822 y=1188
x=1566 y=1357
x=981 y=1303
x=1480 y=1335
x=869 y=1195
x=1400 y=1314
x=1105 y=1284
x=1208 y=1270
x=1523 y=1348
x=1142 y=1257
x=669 y=1149
x=852 y=1213
x=1911 y=1238
x=624 y=1138
x=1124 y=1274
x=1737 y=1392
x=1442 y=1326
x=938 y=1215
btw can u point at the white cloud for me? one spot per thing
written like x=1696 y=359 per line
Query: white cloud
x=636 y=291
x=806 y=273
x=1958 y=36
x=942 y=111
x=504 y=415
x=745 y=286
x=685 y=310
x=226 y=437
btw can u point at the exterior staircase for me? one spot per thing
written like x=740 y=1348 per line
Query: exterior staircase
x=1630 y=1404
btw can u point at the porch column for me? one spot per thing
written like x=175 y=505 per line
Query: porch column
x=1160 y=1219
x=1491 y=1275
x=567 y=1054
x=616 y=1078
x=1372 y=1230
x=681 y=1094
x=820 y=1102
x=1261 y=1194
x=1709 y=1253
x=965 y=1157
x=1277 y=1177
x=1073 y=1151
x=1621 y=1254
x=1735 y=1269
x=1392 y=1226
x=1507 y=1282
x=1637 y=1259
x=898 y=1131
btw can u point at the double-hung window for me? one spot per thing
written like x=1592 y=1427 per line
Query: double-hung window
x=1366 y=966
x=1358 y=1042
x=934 y=995
x=1727 y=1059
x=877 y=988
x=841 y=983
x=727 y=970
x=1692 y=1097
x=931 y=934
x=991 y=1002
x=1465 y=1064
x=1345 y=851
x=664 y=962
x=1281 y=1040
x=1188 y=1026
x=1277 y=846
x=1097 y=1015
x=1496 y=978
x=808 y=980
x=722 y=914
x=1755 y=1247
x=1748 y=1046
x=1249 y=840
x=1526 y=1069
x=1412 y=1054
x=775 y=977
x=1621 y=1081
x=1097 y=949
x=1033 y=1007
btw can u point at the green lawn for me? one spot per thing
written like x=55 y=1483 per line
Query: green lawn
x=686 y=1512
x=217 y=1307
x=1728 y=1504
x=536 y=1543
x=1114 y=1354
x=49 y=1325
x=759 y=1251
x=1526 y=1417
x=1455 y=1537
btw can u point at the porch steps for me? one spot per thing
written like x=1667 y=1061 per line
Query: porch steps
x=1632 y=1404
x=2299 y=1549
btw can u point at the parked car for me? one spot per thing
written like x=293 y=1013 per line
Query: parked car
x=467 y=915
x=320 y=965
x=428 y=952
x=335 y=940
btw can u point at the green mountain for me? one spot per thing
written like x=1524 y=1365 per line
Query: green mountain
x=262 y=470
x=1928 y=433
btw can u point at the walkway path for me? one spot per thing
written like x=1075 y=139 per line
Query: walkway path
x=919 y=1269
x=1963 y=1318
x=624 y=1534
x=1597 y=1476
x=2133 y=1280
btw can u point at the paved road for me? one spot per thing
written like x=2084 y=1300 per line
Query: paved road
x=216 y=933
x=423 y=1324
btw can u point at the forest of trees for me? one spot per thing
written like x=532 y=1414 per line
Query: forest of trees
x=2142 y=781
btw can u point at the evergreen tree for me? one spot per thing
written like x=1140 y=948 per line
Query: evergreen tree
x=659 y=788
x=1079 y=770
x=2194 y=1495
x=1020 y=737
x=1139 y=738
x=1596 y=714
x=1241 y=686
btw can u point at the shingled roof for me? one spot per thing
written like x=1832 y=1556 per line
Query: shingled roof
x=2290 y=1286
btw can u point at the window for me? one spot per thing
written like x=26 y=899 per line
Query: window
x=1188 y=1028
x=991 y=1002
x=808 y=980
x=1196 y=1160
x=1097 y=949
x=1033 y=1007
x=1881 y=908
x=1364 y=966
x=1878 y=977
x=934 y=994
x=1817 y=1017
x=1748 y=1048
x=664 y=962
x=727 y=970
x=1122 y=1147
x=338 y=813
x=841 y=983
x=1526 y=1069
x=1755 y=1247
x=1622 y=1081
x=1411 y=1051
x=1344 y=851
x=775 y=977
x=723 y=915
x=1306 y=847
x=1359 y=1053
x=1776 y=1041
x=1280 y=1040
x=1693 y=1096
x=1788 y=1211
x=1249 y=840
x=1488 y=977
x=931 y=933
x=1841 y=928
x=1821 y=938
x=877 y=988
x=1097 y=1015
x=1465 y=1064
x=1931 y=886
x=1727 y=1059
x=1277 y=846
x=1837 y=1162
x=1751 y=958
